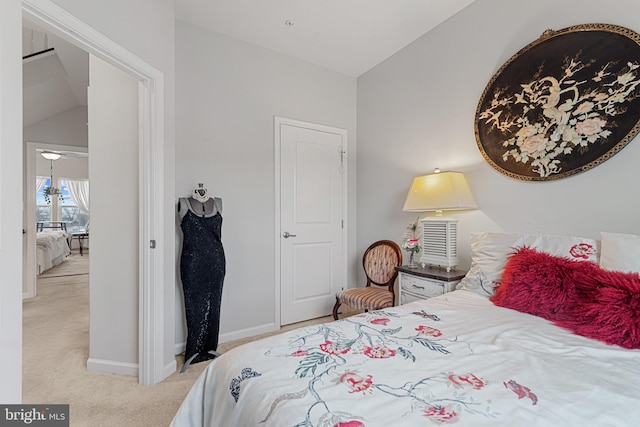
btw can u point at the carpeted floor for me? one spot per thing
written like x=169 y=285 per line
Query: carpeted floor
x=56 y=348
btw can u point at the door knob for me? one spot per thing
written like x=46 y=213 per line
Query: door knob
x=286 y=235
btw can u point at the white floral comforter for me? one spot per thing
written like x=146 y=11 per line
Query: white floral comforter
x=456 y=359
x=51 y=249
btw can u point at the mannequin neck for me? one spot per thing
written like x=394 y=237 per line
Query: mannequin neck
x=200 y=194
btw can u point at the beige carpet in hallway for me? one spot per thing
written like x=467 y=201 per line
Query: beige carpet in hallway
x=56 y=348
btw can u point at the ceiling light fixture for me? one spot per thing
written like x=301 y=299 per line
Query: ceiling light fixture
x=50 y=155
x=51 y=192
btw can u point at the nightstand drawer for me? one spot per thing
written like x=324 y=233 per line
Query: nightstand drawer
x=423 y=287
x=417 y=283
x=407 y=297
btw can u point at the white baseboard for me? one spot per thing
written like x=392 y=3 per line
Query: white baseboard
x=178 y=348
x=232 y=336
x=249 y=332
x=169 y=369
x=112 y=367
x=121 y=368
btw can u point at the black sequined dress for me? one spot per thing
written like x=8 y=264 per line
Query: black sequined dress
x=202 y=271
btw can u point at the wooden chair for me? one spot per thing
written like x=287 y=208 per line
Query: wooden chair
x=379 y=261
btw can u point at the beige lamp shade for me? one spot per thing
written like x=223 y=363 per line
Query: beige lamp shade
x=439 y=191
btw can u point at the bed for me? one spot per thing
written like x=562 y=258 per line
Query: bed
x=463 y=357
x=52 y=248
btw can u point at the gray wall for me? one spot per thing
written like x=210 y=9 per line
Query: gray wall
x=416 y=112
x=228 y=93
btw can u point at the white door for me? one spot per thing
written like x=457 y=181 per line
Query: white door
x=312 y=212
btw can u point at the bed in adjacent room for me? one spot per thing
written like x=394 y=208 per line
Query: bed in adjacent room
x=52 y=248
x=465 y=357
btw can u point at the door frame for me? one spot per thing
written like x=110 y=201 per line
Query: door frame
x=30 y=155
x=151 y=283
x=278 y=123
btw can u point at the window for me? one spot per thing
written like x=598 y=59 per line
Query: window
x=43 y=209
x=70 y=212
x=67 y=208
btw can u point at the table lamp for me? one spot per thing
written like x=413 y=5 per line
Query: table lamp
x=438 y=192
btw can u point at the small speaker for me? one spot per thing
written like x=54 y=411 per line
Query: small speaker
x=440 y=242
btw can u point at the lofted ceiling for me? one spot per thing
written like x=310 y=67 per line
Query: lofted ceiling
x=346 y=36
x=54 y=81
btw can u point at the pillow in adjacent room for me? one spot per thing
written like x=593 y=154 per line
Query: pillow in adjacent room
x=620 y=252
x=489 y=252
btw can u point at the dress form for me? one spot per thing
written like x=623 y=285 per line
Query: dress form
x=203 y=208
x=200 y=202
x=202 y=271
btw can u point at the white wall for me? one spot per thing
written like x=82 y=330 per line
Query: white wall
x=69 y=168
x=66 y=128
x=10 y=212
x=113 y=141
x=416 y=111
x=228 y=94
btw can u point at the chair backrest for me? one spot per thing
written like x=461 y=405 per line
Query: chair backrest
x=380 y=261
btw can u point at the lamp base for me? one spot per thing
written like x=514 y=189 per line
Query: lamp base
x=439 y=242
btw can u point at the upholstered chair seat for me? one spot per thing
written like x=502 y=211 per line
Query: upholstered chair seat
x=379 y=261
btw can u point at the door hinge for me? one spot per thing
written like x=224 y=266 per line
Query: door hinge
x=342 y=225
x=152 y=244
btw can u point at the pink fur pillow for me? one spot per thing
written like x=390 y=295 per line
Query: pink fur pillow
x=611 y=313
x=541 y=284
x=579 y=296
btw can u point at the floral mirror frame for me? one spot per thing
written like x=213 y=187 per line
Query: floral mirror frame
x=563 y=104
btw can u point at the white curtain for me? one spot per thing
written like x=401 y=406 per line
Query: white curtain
x=40 y=182
x=79 y=192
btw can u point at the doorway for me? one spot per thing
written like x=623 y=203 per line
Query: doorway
x=32 y=150
x=311 y=228
x=152 y=303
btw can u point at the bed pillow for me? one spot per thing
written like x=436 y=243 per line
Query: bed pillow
x=620 y=252
x=579 y=296
x=543 y=285
x=489 y=252
x=611 y=313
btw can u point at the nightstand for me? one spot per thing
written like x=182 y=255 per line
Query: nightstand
x=420 y=283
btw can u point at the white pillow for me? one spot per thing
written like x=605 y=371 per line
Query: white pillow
x=489 y=252
x=488 y=257
x=620 y=252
